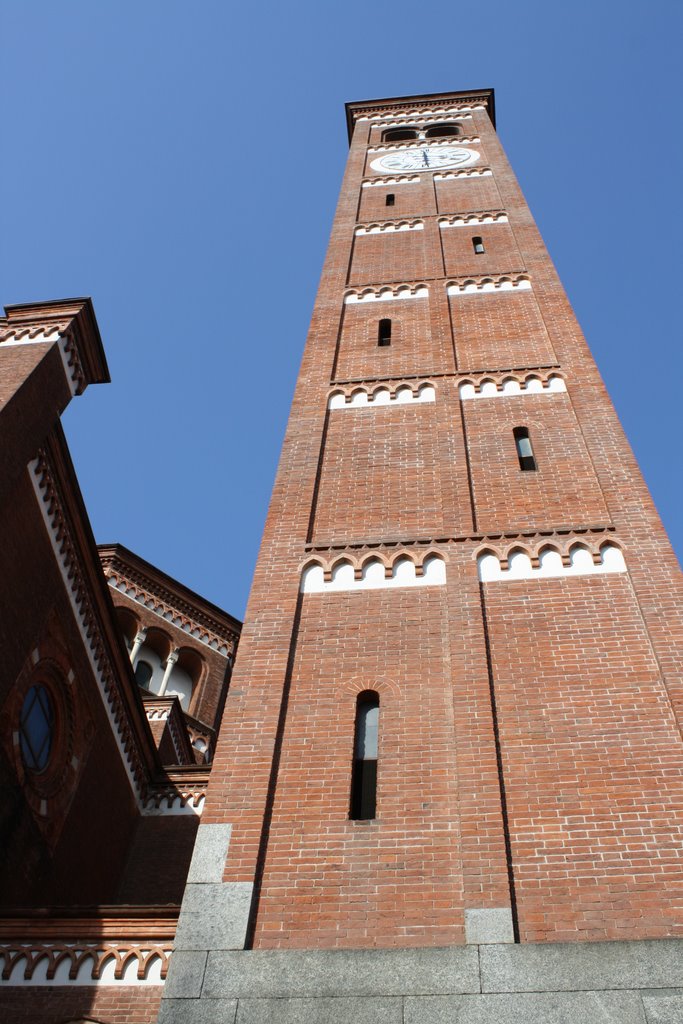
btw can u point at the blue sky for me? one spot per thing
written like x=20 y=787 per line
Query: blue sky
x=180 y=163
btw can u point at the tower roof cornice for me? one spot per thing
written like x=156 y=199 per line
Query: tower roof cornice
x=72 y=318
x=426 y=102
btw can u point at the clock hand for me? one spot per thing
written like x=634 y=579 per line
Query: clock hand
x=425 y=157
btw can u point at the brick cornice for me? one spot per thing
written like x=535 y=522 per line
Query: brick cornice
x=179 y=790
x=428 y=102
x=459 y=375
x=70 y=319
x=126 y=572
x=582 y=530
x=46 y=474
x=129 y=922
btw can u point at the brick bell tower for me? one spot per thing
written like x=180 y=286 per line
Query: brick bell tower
x=455 y=719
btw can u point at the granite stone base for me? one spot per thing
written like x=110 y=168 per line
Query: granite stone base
x=638 y=982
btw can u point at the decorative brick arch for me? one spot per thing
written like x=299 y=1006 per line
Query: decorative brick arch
x=382 y=685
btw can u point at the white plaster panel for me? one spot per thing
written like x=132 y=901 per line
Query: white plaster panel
x=468 y=220
x=387 y=294
x=373 y=576
x=550 y=565
x=179 y=685
x=511 y=388
x=479 y=172
x=376 y=229
x=404 y=395
x=404 y=180
x=84 y=976
x=477 y=288
x=175 y=805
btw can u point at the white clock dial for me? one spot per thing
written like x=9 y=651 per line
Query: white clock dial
x=425 y=158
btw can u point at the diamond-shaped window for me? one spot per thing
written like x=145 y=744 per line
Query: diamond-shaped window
x=36 y=729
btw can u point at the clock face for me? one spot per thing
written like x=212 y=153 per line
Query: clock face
x=426 y=158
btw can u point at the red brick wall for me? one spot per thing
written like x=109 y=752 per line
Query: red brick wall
x=465 y=194
x=34 y=870
x=501 y=252
x=397 y=880
x=420 y=336
x=394 y=470
x=282 y=771
x=163 y=740
x=158 y=859
x=592 y=759
x=564 y=489
x=499 y=331
x=115 y=1004
x=410 y=199
x=395 y=256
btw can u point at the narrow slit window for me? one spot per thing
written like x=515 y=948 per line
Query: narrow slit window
x=478 y=244
x=390 y=199
x=525 y=452
x=364 y=778
x=384 y=333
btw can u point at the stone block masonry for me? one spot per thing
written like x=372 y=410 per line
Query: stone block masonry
x=597 y=983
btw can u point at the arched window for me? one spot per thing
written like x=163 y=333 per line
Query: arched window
x=390 y=199
x=129 y=625
x=437 y=131
x=478 y=245
x=525 y=451
x=364 y=777
x=399 y=134
x=185 y=676
x=143 y=673
x=384 y=332
x=179 y=684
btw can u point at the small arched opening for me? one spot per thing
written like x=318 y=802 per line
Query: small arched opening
x=442 y=131
x=129 y=625
x=399 y=134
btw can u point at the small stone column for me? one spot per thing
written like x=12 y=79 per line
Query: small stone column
x=140 y=638
x=170 y=662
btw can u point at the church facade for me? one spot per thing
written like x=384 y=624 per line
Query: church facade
x=113 y=682
x=448 y=783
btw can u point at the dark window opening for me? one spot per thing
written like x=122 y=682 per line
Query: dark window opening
x=478 y=244
x=439 y=130
x=36 y=728
x=364 y=778
x=399 y=134
x=143 y=674
x=525 y=452
x=390 y=199
x=384 y=333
